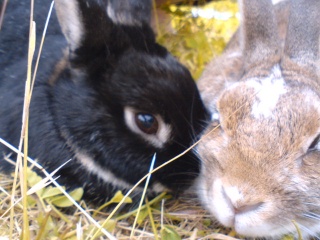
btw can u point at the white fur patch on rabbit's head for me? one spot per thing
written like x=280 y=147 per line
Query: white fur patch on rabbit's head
x=268 y=92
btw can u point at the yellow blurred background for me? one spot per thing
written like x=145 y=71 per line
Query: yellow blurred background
x=195 y=31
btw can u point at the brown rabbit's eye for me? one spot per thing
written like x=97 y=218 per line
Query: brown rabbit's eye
x=314 y=144
x=147 y=123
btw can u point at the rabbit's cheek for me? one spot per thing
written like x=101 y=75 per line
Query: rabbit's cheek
x=203 y=185
x=220 y=205
x=102 y=173
x=211 y=146
x=109 y=177
x=310 y=164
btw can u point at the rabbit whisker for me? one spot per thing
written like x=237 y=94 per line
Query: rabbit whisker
x=312 y=215
x=307 y=230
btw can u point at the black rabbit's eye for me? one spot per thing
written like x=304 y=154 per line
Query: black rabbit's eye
x=147 y=123
x=314 y=144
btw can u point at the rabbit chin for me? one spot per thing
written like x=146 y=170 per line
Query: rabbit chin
x=254 y=222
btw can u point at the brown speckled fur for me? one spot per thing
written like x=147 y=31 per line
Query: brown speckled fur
x=261 y=165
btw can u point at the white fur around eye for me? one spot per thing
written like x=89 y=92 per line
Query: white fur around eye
x=158 y=140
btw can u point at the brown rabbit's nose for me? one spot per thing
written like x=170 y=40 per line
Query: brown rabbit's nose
x=239 y=202
x=247 y=207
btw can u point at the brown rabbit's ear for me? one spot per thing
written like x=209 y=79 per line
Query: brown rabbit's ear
x=259 y=35
x=302 y=42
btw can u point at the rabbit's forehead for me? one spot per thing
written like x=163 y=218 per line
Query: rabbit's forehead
x=266 y=98
x=267 y=94
x=262 y=94
x=270 y=112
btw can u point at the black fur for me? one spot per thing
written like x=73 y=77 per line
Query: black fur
x=114 y=66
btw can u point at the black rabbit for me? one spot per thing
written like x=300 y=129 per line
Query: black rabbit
x=113 y=100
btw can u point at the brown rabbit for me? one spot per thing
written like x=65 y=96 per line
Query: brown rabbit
x=261 y=155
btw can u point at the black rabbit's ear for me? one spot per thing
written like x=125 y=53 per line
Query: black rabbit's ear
x=88 y=23
x=130 y=12
x=71 y=21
